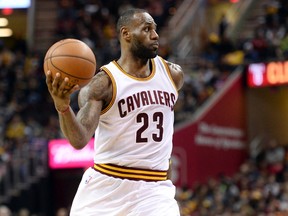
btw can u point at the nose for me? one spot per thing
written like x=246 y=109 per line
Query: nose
x=154 y=35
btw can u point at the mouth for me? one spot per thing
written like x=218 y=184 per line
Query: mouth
x=155 y=45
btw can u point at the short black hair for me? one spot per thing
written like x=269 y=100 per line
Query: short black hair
x=125 y=17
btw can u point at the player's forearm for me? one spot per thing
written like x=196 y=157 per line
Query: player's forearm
x=73 y=130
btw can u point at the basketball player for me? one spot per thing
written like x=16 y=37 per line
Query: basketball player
x=128 y=105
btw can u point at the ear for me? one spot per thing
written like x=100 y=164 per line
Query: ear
x=125 y=33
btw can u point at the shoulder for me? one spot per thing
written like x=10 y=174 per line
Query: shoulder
x=177 y=74
x=99 y=89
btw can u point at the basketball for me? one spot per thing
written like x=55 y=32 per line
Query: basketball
x=71 y=58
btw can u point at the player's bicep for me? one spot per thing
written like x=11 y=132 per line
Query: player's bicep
x=82 y=97
x=98 y=89
x=92 y=98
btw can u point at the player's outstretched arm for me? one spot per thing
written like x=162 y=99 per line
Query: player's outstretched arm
x=177 y=74
x=92 y=98
x=79 y=129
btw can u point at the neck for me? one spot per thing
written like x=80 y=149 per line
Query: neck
x=135 y=66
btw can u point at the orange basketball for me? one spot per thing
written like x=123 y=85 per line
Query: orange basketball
x=71 y=58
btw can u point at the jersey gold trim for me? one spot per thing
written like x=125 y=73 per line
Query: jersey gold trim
x=168 y=72
x=131 y=173
x=138 y=78
x=114 y=90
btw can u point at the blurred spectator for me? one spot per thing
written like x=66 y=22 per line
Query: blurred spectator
x=274 y=156
x=62 y=212
x=5 y=211
x=283 y=47
x=259 y=44
x=223 y=25
x=15 y=128
x=52 y=129
x=23 y=212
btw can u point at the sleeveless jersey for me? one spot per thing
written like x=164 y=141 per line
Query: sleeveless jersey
x=136 y=128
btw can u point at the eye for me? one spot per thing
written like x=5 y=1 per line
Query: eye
x=146 y=29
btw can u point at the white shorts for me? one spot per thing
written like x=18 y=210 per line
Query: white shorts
x=101 y=195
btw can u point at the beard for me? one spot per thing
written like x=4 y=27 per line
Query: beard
x=141 y=51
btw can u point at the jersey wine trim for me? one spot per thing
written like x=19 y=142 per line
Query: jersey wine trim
x=131 y=173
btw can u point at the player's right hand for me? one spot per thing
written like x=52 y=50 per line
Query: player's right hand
x=59 y=94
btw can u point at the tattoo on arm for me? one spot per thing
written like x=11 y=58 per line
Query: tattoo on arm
x=174 y=67
x=177 y=74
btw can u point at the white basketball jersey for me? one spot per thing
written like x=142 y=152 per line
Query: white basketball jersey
x=136 y=128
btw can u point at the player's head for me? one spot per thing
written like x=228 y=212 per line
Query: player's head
x=137 y=30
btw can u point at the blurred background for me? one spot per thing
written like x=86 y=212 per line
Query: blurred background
x=230 y=144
